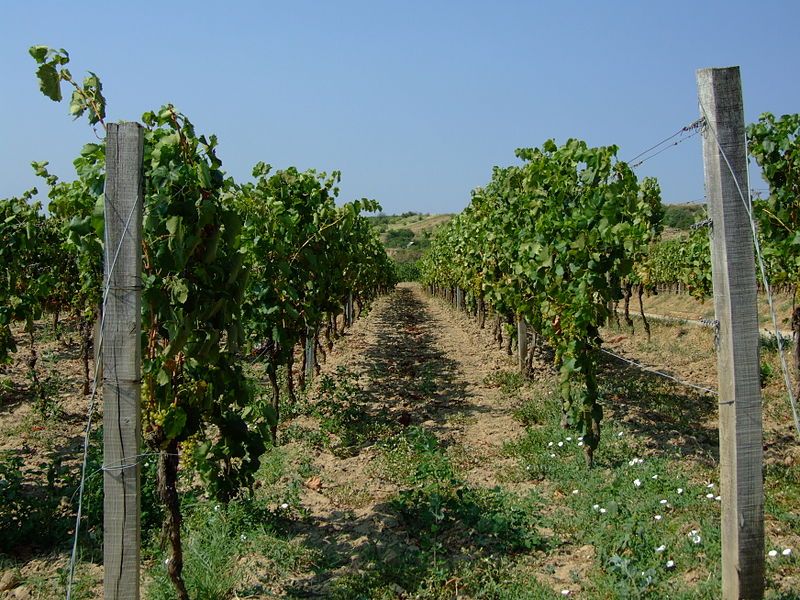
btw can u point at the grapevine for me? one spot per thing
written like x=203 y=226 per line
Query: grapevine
x=211 y=248
x=550 y=242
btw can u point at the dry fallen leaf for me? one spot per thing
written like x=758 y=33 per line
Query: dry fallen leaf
x=314 y=483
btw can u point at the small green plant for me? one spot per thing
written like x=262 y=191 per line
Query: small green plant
x=344 y=415
x=32 y=512
x=767 y=373
x=47 y=392
x=635 y=583
x=509 y=382
x=6 y=386
x=437 y=503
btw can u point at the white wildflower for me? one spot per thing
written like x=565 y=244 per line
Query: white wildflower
x=787 y=552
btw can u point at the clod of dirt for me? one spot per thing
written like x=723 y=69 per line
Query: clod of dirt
x=20 y=593
x=404 y=418
x=8 y=581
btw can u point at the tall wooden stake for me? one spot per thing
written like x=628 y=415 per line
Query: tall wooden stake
x=740 y=425
x=121 y=356
x=311 y=347
x=522 y=343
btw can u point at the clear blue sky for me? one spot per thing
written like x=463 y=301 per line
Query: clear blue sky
x=413 y=101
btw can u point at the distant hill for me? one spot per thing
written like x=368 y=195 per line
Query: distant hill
x=406 y=236
x=682 y=216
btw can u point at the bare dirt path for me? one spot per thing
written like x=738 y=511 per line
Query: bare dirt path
x=419 y=364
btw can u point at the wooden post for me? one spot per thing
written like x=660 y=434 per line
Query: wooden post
x=121 y=356
x=350 y=308
x=311 y=346
x=740 y=424
x=522 y=343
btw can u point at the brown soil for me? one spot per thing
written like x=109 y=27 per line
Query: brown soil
x=58 y=429
x=42 y=433
x=406 y=340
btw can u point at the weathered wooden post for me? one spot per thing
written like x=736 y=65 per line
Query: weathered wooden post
x=348 y=309
x=740 y=420
x=345 y=312
x=522 y=343
x=121 y=355
x=311 y=347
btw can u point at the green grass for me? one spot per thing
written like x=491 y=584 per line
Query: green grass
x=637 y=508
x=45 y=586
x=483 y=577
x=210 y=551
x=462 y=538
x=509 y=382
x=247 y=545
x=346 y=421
